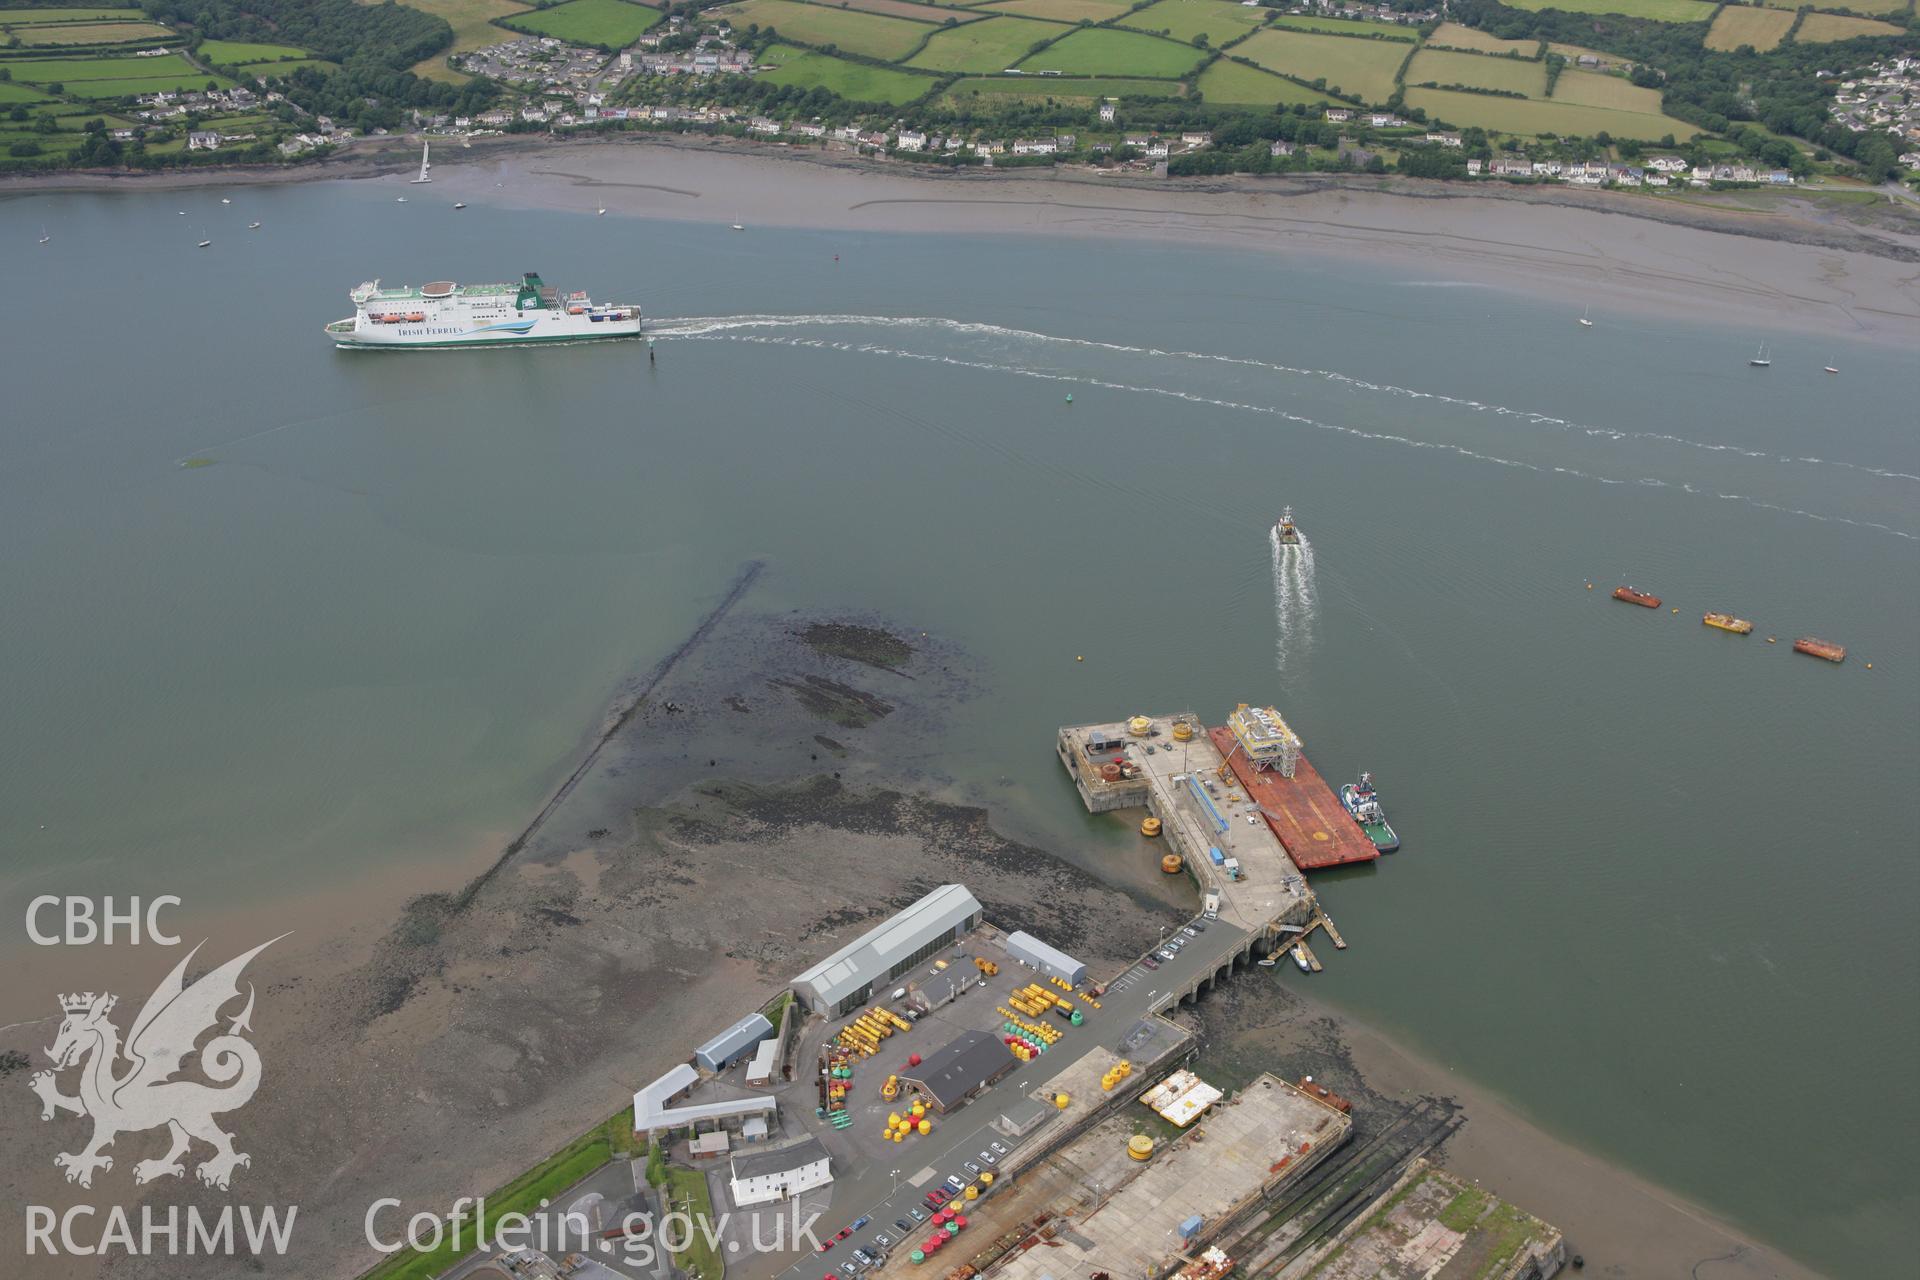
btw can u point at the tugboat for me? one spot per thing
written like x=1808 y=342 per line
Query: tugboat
x=1364 y=805
x=1284 y=530
x=1727 y=622
x=1633 y=595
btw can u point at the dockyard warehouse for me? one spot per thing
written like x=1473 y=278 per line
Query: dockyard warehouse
x=664 y=1105
x=733 y=1044
x=968 y=1064
x=761 y=1177
x=846 y=979
x=1054 y=963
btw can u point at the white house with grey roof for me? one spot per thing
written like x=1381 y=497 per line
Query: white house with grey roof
x=762 y=1177
x=847 y=978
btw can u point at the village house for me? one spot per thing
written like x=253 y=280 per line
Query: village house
x=1278 y=149
x=1138 y=141
x=1158 y=149
x=1444 y=139
x=1196 y=138
x=203 y=140
x=1667 y=164
x=811 y=129
x=1107 y=109
x=765 y=125
x=847 y=133
x=912 y=140
x=1338 y=115
x=1383 y=119
x=1033 y=146
x=1513 y=167
x=1473 y=167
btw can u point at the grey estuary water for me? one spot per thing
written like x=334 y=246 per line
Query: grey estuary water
x=1657 y=884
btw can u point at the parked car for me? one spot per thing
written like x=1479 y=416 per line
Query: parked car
x=970 y=1166
x=917 y=1216
x=860 y=1222
x=848 y=1269
x=956 y=1183
x=1191 y=932
x=1164 y=954
x=937 y=1197
x=998 y=1148
x=866 y=1259
x=843 y=1233
x=903 y=1224
x=828 y=1243
x=1149 y=962
x=883 y=1241
x=987 y=1157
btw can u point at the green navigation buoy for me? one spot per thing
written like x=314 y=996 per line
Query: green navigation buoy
x=1069 y=397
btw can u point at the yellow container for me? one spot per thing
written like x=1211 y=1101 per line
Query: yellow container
x=987 y=1177
x=1062 y=1101
x=1140 y=1147
x=924 y=1128
x=1138 y=726
x=1182 y=731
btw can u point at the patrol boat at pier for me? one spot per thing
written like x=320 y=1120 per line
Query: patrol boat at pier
x=446 y=314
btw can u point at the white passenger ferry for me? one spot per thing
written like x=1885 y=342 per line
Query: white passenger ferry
x=445 y=314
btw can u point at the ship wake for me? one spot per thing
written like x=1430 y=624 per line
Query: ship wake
x=1294 y=603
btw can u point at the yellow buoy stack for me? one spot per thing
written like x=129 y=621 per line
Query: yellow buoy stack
x=1182 y=731
x=1140 y=1147
x=1150 y=827
x=1138 y=726
x=1062 y=1101
x=1171 y=864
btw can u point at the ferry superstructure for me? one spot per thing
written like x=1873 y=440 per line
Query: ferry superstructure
x=445 y=314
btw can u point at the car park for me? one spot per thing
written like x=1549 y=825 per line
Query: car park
x=987 y=1157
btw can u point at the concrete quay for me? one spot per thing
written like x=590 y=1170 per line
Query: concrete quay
x=1170 y=779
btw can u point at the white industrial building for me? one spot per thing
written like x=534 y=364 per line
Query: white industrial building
x=1051 y=961
x=762 y=1177
x=847 y=978
x=734 y=1043
x=653 y=1108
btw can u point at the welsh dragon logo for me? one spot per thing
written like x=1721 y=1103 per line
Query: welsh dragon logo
x=127 y=1088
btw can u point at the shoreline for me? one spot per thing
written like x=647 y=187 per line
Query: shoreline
x=1768 y=260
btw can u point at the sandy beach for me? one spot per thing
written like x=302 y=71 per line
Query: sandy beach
x=1782 y=262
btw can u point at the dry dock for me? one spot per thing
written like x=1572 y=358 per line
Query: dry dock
x=1312 y=824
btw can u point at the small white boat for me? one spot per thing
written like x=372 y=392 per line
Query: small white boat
x=1831 y=369
x=1300 y=958
x=253 y=226
x=459 y=204
x=425 y=146
x=224 y=200
x=183 y=213
x=1760 y=360
x=399 y=199
x=44 y=237
x=738 y=227
x=1584 y=322
x=203 y=244
x=599 y=213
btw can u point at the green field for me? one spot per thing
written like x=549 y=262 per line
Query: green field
x=1597 y=89
x=25 y=17
x=904 y=9
x=1061 y=10
x=1818 y=28
x=865 y=33
x=133 y=86
x=993 y=45
x=1343 y=27
x=1451 y=35
x=281 y=67
x=1518 y=116
x=1478 y=71
x=854 y=80
x=59 y=33
x=1658 y=10
x=74 y=70
x=1871 y=8
x=472 y=23
x=608 y=24
x=1219 y=20
x=1023 y=89
x=11 y=93
x=1240 y=85
x=1360 y=68
x=1738 y=24
x=1102 y=51
x=231 y=53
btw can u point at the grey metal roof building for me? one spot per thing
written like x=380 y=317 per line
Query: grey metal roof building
x=652 y=1109
x=846 y=979
x=1029 y=950
x=969 y=1063
x=734 y=1043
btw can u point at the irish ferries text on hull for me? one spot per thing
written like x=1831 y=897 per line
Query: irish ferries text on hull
x=445 y=314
